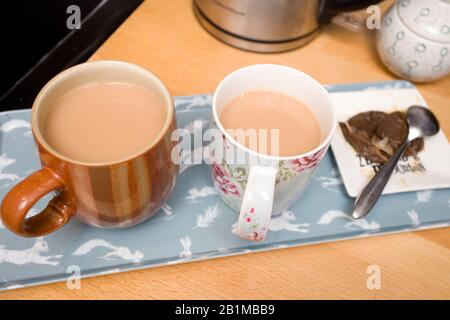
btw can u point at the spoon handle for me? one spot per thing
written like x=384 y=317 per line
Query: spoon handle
x=372 y=191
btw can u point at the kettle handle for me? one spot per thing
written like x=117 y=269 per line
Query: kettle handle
x=330 y=8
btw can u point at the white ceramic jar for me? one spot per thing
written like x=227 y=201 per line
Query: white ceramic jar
x=414 y=39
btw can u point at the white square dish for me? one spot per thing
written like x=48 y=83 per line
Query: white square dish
x=430 y=169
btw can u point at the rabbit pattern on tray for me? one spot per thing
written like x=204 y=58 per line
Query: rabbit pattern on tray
x=193 y=224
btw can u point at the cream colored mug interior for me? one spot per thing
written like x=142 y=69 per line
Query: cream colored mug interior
x=282 y=79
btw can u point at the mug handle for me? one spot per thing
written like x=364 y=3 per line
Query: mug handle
x=256 y=209
x=20 y=199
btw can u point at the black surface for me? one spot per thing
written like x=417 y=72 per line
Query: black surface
x=332 y=7
x=36 y=43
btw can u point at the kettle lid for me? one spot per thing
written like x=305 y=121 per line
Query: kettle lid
x=429 y=19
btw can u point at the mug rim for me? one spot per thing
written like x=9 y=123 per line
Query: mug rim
x=317 y=149
x=75 y=69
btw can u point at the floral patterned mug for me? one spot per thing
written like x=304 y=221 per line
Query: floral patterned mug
x=263 y=186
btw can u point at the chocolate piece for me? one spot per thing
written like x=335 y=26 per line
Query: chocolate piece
x=366 y=122
x=376 y=135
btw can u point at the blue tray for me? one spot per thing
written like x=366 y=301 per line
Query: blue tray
x=194 y=224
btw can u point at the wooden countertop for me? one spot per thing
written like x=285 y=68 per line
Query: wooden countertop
x=164 y=37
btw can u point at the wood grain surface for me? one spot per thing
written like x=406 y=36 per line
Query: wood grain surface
x=164 y=37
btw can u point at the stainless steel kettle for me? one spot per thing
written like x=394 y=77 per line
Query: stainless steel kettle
x=270 y=25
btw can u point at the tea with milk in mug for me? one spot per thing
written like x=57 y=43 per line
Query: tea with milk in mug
x=299 y=129
x=104 y=121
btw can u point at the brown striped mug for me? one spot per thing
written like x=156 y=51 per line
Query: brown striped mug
x=114 y=194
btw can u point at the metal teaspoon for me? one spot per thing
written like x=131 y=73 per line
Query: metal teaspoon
x=421 y=123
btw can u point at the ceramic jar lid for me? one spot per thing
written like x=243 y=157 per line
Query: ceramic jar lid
x=429 y=19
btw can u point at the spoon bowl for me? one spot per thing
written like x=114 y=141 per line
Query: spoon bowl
x=422 y=119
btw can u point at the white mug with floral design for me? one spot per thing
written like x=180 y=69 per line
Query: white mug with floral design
x=269 y=186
